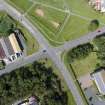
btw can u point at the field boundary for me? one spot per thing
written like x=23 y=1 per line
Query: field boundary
x=49 y=6
x=25 y=13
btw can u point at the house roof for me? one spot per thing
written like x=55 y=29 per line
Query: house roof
x=99 y=78
x=14 y=43
x=32 y=101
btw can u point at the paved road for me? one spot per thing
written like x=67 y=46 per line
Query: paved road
x=52 y=53
x=23 y=61
x=88 y=37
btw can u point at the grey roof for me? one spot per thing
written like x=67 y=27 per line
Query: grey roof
x=9 y=46
x=99 y=81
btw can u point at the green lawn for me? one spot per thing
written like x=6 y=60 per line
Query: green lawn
x=76 y=26
x=85 y=66
x=55 y=3
x=22 y=5
x=49 y=63
x=82 y=8
x=45 y=23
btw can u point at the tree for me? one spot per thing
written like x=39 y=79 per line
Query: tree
x=80 y=52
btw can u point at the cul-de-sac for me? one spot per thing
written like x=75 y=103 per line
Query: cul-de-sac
x=52 y=52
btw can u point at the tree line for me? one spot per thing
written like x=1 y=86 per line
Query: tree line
x=99 y=43
x=37 y=80
x=79 y=52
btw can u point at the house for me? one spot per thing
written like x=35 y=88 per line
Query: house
x=98 y=5
x=31 y=101
x=11 y=48
x=99 y=78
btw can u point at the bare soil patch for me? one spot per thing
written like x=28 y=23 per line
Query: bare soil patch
x=86 y=81
x=39 y=12
x=55 y=24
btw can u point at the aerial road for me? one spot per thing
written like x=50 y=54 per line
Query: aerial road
x=50 y=51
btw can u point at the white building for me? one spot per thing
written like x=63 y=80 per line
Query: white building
x=99 y=78
x=98 y=5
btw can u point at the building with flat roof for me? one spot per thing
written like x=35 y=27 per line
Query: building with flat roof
x=99 y=78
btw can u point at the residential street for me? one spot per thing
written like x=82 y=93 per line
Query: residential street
x=52 y=52
x=86 y=38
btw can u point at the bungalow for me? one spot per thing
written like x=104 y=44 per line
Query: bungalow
x=99 y=78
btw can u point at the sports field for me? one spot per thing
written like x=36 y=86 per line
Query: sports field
x=59 y=20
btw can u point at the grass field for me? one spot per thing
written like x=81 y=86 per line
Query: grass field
x=73 y=23
x=85 y=66
x=56 y=3
x=22 y=5
x=49 y=23
x=49 y=63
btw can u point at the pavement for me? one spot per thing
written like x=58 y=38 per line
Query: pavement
x=86 y=38
x=51 y=52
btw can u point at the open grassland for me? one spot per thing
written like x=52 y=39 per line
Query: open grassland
x=60 y=20
x=83 y=9
x=55 y=3
x=75 y=27
x=85 y=66
x=49 y=63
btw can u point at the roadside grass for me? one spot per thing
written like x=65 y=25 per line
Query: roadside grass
x=21 y=5
x=49 y=63
x=31 y=43
x=64 y=58
x=85 y=66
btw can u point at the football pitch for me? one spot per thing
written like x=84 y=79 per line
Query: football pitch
x=59 y=20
